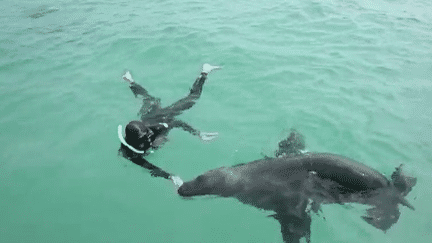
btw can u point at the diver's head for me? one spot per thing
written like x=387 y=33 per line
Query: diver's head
x=137 y=136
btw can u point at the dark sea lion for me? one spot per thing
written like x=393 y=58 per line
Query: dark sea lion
x=293 y=186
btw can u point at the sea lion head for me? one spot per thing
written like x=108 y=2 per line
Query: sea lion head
x=221 y=182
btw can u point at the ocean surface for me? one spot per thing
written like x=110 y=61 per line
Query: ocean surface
x=353 y=76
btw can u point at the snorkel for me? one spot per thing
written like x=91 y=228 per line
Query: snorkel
x=123 y=141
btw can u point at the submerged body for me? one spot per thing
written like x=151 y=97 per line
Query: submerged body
x=294 y=186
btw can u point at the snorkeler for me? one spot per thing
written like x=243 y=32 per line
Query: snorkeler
x=150 y=132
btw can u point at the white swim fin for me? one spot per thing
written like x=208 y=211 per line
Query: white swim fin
x=128 y=77
x=207 y=68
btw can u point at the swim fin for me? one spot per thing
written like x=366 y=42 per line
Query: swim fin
x=207 y=68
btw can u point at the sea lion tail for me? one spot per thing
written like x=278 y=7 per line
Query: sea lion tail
x=385 y=214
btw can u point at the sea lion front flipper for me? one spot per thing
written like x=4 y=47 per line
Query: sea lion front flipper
x=294 y=145
x=294 y=228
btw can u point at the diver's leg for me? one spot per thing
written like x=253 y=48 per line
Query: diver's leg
x=195 y=92
x=188 y=101
x=149 y=102
x=136 y=88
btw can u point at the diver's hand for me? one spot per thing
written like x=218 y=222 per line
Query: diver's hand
x=178 y=182
x=208 y=136
x=155 y=173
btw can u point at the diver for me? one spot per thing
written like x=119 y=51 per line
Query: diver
x=150 y=132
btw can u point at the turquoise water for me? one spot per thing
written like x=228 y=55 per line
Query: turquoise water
x=354 y=76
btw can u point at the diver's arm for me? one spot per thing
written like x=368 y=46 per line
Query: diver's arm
x=159 y=128
x=205 y=136
x=154 y=170
x=186 y=127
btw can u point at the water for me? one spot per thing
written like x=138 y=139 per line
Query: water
x=353 y=76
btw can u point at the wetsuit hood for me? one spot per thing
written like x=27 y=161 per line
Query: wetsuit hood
x=123 y=141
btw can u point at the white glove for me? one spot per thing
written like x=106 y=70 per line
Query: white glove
x=178 y=182
x=208 y=136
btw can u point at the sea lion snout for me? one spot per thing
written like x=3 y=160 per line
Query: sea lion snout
x=210 y=183
x=183 y=192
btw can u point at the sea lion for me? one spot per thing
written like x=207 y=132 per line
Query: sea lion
x=293 y=186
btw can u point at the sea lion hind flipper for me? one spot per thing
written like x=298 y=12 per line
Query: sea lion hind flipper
x=294 y=228
x=382 y=217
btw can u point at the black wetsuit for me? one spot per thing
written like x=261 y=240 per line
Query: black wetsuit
x=154 y=117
